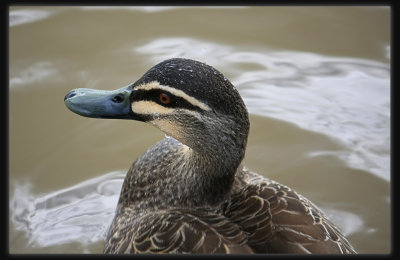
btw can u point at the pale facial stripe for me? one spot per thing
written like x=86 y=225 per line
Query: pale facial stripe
x=149 y=107
x=176 y=92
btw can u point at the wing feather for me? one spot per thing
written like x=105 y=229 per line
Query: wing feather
x=180 y=231
x=277 y=219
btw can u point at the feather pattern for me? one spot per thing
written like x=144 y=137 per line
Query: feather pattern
x=260 y=216
x=277 y=219
x=181 y=231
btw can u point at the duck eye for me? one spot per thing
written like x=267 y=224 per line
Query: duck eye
x=165 y=98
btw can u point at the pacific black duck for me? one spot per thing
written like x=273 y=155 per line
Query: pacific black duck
x=189 y=193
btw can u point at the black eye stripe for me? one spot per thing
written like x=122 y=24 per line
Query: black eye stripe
x=154 y=95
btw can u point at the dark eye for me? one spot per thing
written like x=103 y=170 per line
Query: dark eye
x=165 y=98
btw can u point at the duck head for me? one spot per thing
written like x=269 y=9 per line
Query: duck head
x=186 y=99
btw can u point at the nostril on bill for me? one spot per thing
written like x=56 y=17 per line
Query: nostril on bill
x=70 y=95
x=118 y=98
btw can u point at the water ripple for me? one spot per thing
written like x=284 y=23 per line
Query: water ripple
x=18 y=17
x=81 y=213
x=38 y=72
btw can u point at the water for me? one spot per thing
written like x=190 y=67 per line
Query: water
x=316 y=81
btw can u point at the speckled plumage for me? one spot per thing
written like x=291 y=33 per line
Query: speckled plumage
x=257 y=216
x=189 y=193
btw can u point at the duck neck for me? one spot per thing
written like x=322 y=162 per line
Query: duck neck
x=171 y=174
x=196 y=171
x=211 y=175
x=215 y=155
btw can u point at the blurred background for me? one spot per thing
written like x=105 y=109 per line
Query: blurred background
x=316 y=81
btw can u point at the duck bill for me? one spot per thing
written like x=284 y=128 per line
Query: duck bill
x=100 y=103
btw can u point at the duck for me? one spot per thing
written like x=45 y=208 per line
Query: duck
x=190 y=192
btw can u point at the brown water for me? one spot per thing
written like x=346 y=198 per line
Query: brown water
x=316 y=81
